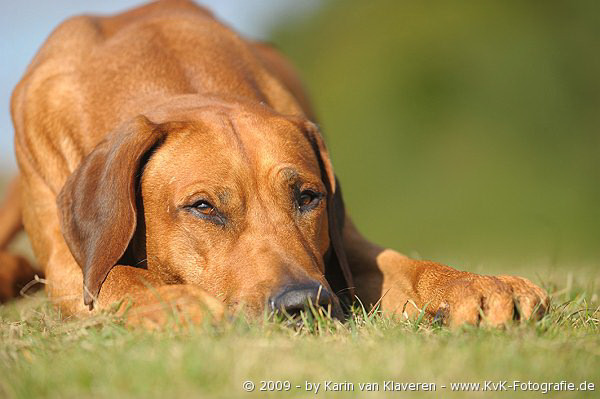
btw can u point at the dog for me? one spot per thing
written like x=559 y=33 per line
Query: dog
x=165 y=159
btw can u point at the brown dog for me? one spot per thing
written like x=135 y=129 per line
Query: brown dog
x=163 y=158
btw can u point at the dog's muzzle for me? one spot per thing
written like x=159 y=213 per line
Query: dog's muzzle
x=293 y=299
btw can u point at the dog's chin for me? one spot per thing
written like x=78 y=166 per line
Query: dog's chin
x=300 y=318
x=260 y=313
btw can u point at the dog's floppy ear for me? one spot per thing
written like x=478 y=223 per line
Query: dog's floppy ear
x=97 y=204
x=337 y=271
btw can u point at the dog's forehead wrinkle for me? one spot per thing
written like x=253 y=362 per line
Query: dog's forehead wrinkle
x=260 y=139
x=236 y=135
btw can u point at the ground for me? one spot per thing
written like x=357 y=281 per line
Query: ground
x=44 y=356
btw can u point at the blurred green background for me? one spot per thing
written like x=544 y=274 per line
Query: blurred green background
x=465 y=132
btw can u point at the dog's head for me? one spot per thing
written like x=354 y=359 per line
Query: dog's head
x=238 y=200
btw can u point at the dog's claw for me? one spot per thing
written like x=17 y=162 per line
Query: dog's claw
x=491 y=301
x=441 y=316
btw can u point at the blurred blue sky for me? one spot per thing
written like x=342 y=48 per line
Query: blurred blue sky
x=25 y=24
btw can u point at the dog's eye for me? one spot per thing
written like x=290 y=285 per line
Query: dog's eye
x=308 y=200
x=205 y=208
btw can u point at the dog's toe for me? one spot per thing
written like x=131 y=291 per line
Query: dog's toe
x=531 y=302
x=491 y=301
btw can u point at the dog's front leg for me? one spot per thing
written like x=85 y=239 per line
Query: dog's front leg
x=405 y=286
x=147 y=302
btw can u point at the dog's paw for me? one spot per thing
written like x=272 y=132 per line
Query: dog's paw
x=490 y=300
x=171 y=305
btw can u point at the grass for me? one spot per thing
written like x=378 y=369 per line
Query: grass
x=44 y=356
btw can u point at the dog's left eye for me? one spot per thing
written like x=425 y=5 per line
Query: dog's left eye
x=308 y=200
x=205 y=208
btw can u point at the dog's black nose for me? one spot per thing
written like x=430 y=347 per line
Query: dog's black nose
x=294 y=298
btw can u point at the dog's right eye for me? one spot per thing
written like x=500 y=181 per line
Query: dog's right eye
x=205 y=208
